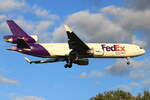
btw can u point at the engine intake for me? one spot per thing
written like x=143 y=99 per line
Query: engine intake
x=13 y=39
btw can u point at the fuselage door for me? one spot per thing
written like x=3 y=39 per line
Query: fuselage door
x=98 y=52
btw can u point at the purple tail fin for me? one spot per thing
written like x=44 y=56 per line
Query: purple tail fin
x=15 y=29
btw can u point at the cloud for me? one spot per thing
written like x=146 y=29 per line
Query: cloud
x=138 y=70
x=29 y=98
x=134 y=84
x=43 y=13
x=107 y=25
x=138 y=4
x=124 y=88
x=34 y=26
x=20 y=6
x=129 y=88
x=10 y=5
x=146 y=83
x=59 y=35
x=4 y=28
x=3 y=18
x=131 y=20
x=91 y=74
x=39 y=28
x=42 y=30
x=43 y=25
x=13 y=96
x=3 y=71
x=120 y=68
x=93 y=27
x=137 y=76
x=138 y=42
x=8 y=81
x=27 y=26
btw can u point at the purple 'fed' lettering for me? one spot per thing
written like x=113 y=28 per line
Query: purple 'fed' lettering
x=113 y=48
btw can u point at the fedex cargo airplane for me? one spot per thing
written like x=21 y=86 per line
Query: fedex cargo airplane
x=73 y=52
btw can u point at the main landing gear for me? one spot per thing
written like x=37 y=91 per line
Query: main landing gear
x=70 y=59
x=69 y=63
x=68 y=66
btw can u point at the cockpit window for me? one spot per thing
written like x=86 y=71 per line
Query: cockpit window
x=141 y=48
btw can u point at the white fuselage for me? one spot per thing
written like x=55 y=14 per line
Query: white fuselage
x=99 y=50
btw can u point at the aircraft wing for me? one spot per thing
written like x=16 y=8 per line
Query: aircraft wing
x=74 y=41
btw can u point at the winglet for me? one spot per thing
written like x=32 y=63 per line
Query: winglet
x=67 y=28
x=27 y=60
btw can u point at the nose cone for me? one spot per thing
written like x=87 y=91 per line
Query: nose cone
x=143 y=51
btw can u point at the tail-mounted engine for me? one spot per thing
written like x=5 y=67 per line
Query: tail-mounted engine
x=28 y=39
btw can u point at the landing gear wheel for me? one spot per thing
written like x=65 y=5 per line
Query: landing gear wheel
x=68 y=66
x=128 y=63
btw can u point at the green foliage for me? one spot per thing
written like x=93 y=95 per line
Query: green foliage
x=121 y=95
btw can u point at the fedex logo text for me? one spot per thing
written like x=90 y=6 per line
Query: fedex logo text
x=113 y=48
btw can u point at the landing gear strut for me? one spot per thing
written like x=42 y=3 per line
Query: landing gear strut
x=128 y=61
x=69 y=63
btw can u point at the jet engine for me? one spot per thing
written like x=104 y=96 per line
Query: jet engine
x=13 y=39
x=82 y=62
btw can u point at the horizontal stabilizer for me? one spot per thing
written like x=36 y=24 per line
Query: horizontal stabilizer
x=27 y=59
x=44 y=61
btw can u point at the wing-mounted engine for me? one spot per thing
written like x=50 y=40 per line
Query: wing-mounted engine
x=78 y=49
x=28 y=39
x=81 y=62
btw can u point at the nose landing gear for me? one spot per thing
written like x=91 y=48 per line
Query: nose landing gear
x=128 y=61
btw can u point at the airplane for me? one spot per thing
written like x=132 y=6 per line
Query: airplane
x=18 y=33
x=75 y=51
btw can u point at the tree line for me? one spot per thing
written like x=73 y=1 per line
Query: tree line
x=121 y=95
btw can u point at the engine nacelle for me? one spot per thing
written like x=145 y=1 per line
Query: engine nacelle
x=82 y=62
x=35 y=37
x=13 y=39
